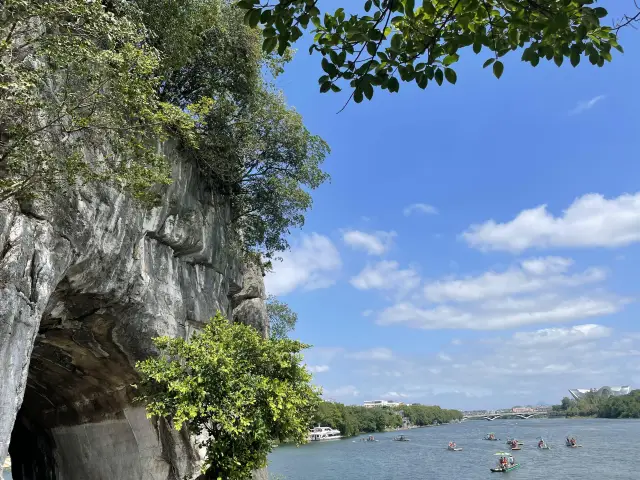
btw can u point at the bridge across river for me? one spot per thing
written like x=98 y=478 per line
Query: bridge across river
x=495 y=415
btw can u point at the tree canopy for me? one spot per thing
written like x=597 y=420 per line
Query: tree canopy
x=383 y=42
x=74 y=75
x=88 y=88
x=623 y=406
x=241 y=390
x=281 y=318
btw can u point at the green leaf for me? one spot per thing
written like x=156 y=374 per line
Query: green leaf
x=254 y=18
x=393 y=85
x=367 y=5
x=477 y=47
x=357 y=96
x=269 y=44
x=498 y=68
x=449 y=59
x=450 y=75
x=326 y=66
x=325 y=87
x=575 y=58
x=396 y=42
x=367 y=88
x=439 y=76
x=427 y=6
x=488 y=62
x=244 y=4
x=600 y=12
x=371 y=48
x=558 y=59
x=409 y=6
x=422 y=80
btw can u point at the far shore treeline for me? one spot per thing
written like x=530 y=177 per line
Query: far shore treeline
x=353 y=419
x=623 y=406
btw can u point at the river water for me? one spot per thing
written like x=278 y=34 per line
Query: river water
x=610 y=451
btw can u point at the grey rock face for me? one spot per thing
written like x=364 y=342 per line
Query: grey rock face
x=86 y=280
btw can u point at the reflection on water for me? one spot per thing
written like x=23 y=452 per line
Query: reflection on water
x=609 y=452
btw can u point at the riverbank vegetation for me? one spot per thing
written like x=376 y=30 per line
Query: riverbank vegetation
x=353 y=419
x=623 y=406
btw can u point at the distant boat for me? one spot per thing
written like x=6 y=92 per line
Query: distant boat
x=571 y=442
x=319 y=434
x=400 y=438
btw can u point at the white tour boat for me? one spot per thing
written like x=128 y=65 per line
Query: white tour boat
x=324 y=433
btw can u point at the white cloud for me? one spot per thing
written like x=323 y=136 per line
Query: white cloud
x=367 y=313
x=344 y=391
x=395 y=395
x=318 y=368
x=530 y=276
x=456 y=341
x=423 y=208
x=375 y=243
x=531 y=366
x=590 y=221
x=585 y=105
x=379 y=353
x=311 y=264
x=444 y=357
x=561 y=337
x=322 y=355
x=502 y=314
x=386 y=275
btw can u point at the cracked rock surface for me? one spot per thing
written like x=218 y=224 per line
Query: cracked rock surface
x=86 y=280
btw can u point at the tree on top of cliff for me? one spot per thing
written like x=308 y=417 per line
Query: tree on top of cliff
x=251 y=145
x=385 y=41
x=241 y=390
x=76 y=78
x=88 y=87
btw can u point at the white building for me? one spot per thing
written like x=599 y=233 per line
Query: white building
x=381 y=403
x=578 y=393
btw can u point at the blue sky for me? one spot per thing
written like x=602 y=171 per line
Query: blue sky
x=478 y=295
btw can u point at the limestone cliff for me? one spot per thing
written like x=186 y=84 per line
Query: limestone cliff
x=86 y=280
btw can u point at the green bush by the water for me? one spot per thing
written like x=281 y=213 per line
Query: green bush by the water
x=623 y=406
x=352 y=419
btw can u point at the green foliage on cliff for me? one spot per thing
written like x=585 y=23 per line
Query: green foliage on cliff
x=380 y=42
x=624 y=406
x=241 y=390
x=74 y=75
x=352 y=419
x=281 y=318
x=250 y=144
x=87 y=88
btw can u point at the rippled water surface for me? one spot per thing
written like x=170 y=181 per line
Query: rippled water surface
x=610 y=451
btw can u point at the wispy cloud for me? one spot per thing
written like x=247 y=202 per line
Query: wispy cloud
x=318 y=368
x=375 y=243
x=312 y=263
x=585 y=105
x=423 y=208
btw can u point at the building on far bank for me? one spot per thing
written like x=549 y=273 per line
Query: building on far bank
x=381 y=403
x=578 y=393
